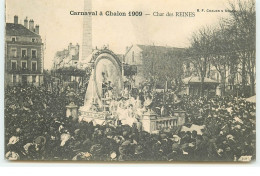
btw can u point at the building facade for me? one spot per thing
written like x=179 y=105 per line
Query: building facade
x=67 y=57
x=230 y=83
x=161 y=62
x=66 y=66
x=24 y=54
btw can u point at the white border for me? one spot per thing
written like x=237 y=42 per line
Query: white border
x=122 y=169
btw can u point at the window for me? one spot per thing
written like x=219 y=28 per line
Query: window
x=133 y=56
x=34 y=53
x=34 y=40
x=13 y=52
x=14 y=65
x=34 y=65
x=24 y=52
x=24 y=64
x=13 y=39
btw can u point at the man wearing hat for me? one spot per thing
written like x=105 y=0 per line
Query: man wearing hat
x=126 y=151
x=139 y=153
x=97 y=152
x=176 y=154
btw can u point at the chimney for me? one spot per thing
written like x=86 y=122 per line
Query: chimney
x=37 y=29
x=31 y=25
x=15 y=19
x=69 y=47
x=26 y=22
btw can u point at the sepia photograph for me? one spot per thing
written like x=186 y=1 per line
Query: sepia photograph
x=130 y=81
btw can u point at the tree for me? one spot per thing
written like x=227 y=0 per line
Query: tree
x=199 y=53
x=222 y=54
x=163 y=64
x=228 y=47
x=242 y=27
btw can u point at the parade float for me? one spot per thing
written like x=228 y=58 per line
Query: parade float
x=108 y=102
x=105 y=84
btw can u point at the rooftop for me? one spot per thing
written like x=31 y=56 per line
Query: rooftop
x=18 y=30
x=161 y=49
x=157 y=50
x=197 y=79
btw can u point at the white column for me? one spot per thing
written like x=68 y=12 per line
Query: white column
x=87 y=31
x=188 y=89
x=17 y=78
x=218 y=91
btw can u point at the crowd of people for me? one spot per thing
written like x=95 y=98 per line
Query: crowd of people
x=36 y=128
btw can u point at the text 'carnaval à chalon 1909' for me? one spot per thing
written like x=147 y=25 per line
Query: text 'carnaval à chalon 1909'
x=134 y=13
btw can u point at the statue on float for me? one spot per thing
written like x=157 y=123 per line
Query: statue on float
x=106 y=82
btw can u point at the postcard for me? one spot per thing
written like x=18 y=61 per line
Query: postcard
x=130 y=81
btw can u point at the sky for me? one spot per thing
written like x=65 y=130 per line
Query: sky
x=58 y=28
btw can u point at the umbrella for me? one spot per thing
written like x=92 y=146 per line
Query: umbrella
x=251 y=99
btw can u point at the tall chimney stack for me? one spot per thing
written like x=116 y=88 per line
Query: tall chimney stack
x=37 y=29
x=31 y=25
x=26 y=22
x=87 y=31
x=15 y=19
x=70 y=45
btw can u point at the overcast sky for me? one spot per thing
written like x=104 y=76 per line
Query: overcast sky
x=59 y=28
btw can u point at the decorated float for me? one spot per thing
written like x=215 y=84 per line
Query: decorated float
x=108 y=102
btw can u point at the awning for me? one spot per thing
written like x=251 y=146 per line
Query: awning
x=197 y=79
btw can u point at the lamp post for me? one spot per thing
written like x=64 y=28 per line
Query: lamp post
x=72 y=108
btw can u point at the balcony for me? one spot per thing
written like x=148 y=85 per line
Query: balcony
x=20 y=70
x=24 y=57
x=153 y=124
x=35 y=57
